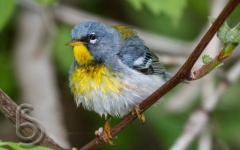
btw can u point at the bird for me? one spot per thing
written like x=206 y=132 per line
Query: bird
x=113 y=71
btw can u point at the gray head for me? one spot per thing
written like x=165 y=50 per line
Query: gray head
x=103 y=42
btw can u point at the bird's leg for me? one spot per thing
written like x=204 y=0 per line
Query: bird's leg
x=105 y=132
x=141 y=116
x=107 y=137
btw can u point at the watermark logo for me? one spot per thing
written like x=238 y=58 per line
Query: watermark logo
x=36 y=130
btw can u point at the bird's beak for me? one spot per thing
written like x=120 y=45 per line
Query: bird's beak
x=75 y=43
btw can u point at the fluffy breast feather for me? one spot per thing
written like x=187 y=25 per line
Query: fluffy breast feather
x=109 y=93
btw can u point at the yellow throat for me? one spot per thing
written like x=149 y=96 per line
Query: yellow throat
x=91 y=76
x=81 y=53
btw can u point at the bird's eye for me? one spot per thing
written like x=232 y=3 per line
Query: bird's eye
x=93 y=38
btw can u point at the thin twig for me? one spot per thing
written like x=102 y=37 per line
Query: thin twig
x=181 y=75
x=207 y=37
x=198 y=120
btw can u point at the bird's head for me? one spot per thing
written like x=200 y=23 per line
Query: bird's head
x=94 y=42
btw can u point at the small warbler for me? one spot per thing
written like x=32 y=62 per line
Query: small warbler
x=113 y=71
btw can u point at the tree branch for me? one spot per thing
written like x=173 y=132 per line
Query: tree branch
x=181 y=75
x=200 y=117
x=9 y=108
x=184 y=70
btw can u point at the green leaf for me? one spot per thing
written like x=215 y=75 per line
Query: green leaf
x=7 y=8
x=206 y=59
x=16 y=146
x=172 y=8
x=46 y=2
x=226 y=34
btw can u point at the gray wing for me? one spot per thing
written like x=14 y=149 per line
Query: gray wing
x=148 y=64
x=137 y=56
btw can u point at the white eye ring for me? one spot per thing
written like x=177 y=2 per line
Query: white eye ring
x=92 y=38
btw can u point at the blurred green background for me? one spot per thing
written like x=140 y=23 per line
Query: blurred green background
x=181 y=20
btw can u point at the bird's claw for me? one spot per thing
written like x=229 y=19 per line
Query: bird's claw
x=136 y=112
x=105 y=133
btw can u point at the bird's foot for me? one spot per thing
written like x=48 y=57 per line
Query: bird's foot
x=136 y=113
x=105 y=133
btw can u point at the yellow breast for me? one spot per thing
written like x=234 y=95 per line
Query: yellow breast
x=91 y=76
x=95 y=77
